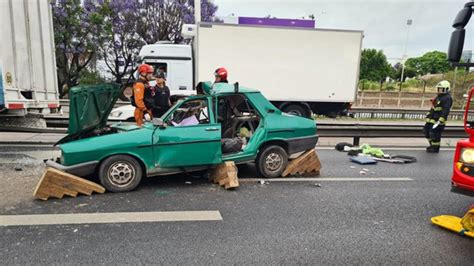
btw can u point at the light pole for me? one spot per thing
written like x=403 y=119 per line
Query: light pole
x=197 y=11
x=404 y=57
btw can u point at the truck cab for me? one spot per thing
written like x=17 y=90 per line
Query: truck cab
x=175 y=61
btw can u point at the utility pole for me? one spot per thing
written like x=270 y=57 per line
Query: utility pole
x=197 y=11
x=405 y=56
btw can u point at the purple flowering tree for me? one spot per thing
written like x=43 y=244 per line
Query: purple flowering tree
x=74 y=47
x=114 y=31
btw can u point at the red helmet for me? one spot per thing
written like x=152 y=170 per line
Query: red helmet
x=221 y=72
x=145 y=69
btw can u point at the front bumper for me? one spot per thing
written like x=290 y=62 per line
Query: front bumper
x=82 y=169
x=461 y=190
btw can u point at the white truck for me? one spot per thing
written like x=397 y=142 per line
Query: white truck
x=28 y=82
x=301 y=71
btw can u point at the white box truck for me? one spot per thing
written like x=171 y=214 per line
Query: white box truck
x=300 y=70
x=28 y=80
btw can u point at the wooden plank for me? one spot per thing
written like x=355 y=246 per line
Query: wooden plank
x=306 y=164
x=225 y=175
x=55 y=183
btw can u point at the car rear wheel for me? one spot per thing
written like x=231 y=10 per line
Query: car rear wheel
x=120 y=173
x=271 y=161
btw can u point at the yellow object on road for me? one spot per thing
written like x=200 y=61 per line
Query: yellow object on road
x=453 y=223
x=467 y=221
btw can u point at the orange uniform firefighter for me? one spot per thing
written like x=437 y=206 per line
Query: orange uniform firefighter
x=140 y=88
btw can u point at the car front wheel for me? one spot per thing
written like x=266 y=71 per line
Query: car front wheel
x=271 y=161
x=120 y=173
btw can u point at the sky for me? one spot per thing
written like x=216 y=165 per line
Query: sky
x=384 y=22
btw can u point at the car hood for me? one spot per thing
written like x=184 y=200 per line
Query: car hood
x=89 y=107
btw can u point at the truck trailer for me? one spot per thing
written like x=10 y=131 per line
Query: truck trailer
x=28 y=82
x=302 y=71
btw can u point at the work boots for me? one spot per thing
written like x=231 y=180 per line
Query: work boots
x=432 y=149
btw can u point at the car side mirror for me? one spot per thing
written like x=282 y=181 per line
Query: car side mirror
x=158 y=122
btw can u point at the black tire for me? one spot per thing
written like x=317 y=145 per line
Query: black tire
x=298 y=110
x=271 y=161
x=120 y=173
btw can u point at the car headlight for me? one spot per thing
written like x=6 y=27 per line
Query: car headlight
x=116 y=114
x=467 y=155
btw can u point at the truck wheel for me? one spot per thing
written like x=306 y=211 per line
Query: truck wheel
x=271 y=161
x=120 y=173
x=296 y=109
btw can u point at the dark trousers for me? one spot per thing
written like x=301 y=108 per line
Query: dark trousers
x=433 y=135
x=159 y=112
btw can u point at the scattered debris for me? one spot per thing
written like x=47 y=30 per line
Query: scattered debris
x=343 y=146
x=363 y=160
x=362 y=172
x=263 y=182
x=188 y=182
x=317 y=185
x=365 y=169
x=353 y=167
x=18 y=169
x=75 y=230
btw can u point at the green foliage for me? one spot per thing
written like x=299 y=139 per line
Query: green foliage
x=90 y=78
x=430 y=63
x=374 y=65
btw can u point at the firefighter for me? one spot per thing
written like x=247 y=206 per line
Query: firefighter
x=141 y=89
x=221 y=75
x=437 y=116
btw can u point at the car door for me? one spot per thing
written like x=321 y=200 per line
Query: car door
x=192 y=136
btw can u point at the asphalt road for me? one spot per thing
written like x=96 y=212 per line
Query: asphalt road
x=338 y=222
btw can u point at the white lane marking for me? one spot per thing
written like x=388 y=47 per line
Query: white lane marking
x=336 y=179
x=113 y=217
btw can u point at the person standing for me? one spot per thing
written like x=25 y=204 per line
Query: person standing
x=437 y=116
x=141 y=88
x=161 y=98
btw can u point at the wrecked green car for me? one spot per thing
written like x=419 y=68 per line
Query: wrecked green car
x=224 y=122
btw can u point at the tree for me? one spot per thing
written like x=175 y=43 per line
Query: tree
x=122 y=27
x=114 y=26
x=164 y=19
x=433 y=62
x=74 y=47
x=374 y=65
x=396 y=72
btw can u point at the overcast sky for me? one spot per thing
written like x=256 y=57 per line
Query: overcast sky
x=383 y=21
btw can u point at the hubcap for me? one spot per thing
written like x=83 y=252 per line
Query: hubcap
x=273 y=161
x=121 y=174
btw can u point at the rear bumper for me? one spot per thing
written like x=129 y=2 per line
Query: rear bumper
x=82 y=169
x=301 y=144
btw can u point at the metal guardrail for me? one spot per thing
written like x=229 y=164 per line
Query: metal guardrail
x=393 y=113
x=359 y=112
x=350 y=130
x=358 y=131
